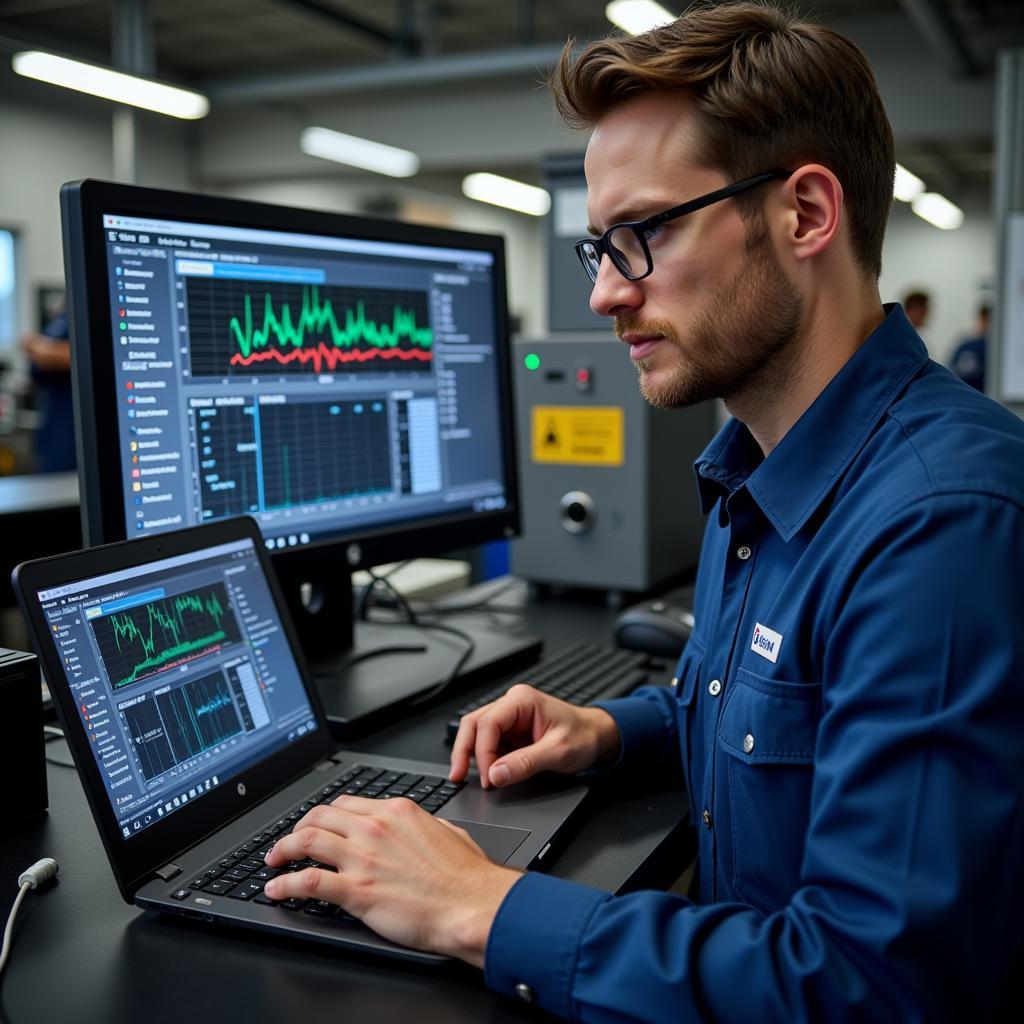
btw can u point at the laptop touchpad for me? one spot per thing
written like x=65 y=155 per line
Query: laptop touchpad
x=498 y=841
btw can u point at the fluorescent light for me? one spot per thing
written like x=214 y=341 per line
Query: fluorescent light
x=111 y=85
x=938 y=210
x=350 y=149
x=907 y=186
x=513 y=195
x=636 y=16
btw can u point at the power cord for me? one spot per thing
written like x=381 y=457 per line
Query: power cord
x=31 y=878
x=415 y=620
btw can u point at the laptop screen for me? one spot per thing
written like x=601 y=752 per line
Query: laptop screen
x=182 y=676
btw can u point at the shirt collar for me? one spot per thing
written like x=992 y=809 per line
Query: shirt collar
x=790 y=484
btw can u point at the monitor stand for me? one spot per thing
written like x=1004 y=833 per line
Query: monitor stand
x=369 y=675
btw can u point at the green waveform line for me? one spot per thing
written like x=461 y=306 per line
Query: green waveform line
x=317 y=318
x=172 y=624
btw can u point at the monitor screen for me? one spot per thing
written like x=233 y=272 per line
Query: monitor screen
x=336 y=378
x=182 y=676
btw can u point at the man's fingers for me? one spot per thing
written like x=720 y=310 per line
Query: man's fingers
x=322 y=842
x=462 y=748
x=308 y=884
x=547 y=754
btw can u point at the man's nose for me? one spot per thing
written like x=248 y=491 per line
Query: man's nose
x=612 y=293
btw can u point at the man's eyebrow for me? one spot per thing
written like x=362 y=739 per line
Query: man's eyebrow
x=637 y=210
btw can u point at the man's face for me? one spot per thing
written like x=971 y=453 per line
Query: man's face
x=717 y=315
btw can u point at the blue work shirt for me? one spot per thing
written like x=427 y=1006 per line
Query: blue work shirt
x=850 y=717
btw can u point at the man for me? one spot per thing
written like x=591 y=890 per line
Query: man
x=49 y=353
x=849 y=710
x=917 y=306
x=968 y=361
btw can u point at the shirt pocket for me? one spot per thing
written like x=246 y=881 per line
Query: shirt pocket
x=767 y=732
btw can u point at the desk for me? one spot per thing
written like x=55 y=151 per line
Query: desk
x=82 y=956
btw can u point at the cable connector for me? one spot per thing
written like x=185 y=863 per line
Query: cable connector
x=42 y=871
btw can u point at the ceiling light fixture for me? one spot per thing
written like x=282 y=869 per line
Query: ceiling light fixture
x=938 y=210
x=907 y=186
x=636 y=16
x=356 y=152
x=113 y=85
x=500 y=191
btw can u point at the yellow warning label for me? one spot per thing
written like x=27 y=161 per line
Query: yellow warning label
x=578 y=435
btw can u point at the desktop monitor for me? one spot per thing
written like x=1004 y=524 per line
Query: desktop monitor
x=343 y=380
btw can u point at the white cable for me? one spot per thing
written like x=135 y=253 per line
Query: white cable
x=5 y=952
x=30 y=878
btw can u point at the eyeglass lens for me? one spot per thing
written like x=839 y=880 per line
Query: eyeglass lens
x=627 y=252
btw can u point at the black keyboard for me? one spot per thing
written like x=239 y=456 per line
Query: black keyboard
x=580 y=674
x=242 y=872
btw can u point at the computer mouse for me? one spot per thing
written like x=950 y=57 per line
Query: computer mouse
x=655 y=627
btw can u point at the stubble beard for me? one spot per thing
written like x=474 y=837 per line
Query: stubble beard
x=741 y=342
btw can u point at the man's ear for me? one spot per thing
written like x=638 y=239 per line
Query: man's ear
x=814 y=200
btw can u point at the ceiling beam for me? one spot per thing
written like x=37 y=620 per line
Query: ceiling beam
x=347 y=22
x=403 y=74
x=935 y=22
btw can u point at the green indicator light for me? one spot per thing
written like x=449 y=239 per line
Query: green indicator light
x=532 y=361
x=124 y=326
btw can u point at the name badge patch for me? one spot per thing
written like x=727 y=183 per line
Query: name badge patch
x=766 y=642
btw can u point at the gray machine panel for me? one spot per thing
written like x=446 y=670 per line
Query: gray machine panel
x=636 y=524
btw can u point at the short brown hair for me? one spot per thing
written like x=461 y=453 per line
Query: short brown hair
x=773 y=91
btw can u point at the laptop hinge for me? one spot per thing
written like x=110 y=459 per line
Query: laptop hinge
x=168 y=872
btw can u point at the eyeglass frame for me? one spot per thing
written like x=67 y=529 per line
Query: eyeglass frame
x=639 y=227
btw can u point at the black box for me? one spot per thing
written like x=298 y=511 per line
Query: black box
x=22 y=747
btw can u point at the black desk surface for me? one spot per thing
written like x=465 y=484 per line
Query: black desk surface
x=82 y=955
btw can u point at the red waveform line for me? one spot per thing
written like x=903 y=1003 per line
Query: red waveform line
x=322 y=356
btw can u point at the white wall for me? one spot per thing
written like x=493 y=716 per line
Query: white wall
x=43 y=146
x=954 y=267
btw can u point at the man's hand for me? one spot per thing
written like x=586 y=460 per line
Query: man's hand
x=526 y=732
x=413 y=878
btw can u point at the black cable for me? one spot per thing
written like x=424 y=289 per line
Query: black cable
x=362 y=607
x=51 y=732
x=457 y=668
x=375 y=653
x=415 y=620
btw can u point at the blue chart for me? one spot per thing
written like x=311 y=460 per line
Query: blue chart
x=178 y=724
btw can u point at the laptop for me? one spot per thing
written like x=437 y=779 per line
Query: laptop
x=199 y=737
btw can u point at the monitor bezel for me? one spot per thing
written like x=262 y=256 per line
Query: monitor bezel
x=135 y=860
x=83 y=204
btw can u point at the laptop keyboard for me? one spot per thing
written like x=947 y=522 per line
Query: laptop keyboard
x=580 y=674
x=242 y=872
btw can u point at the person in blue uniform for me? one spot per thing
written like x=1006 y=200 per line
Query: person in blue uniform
x=968 y=361
x=849 y=711
x=49 y=353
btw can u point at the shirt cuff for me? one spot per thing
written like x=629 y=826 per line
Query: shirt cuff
x=535 y=939
x=647 y=726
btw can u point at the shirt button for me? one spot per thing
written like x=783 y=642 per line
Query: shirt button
x=748 y=743
x=706 y=818
x=743 y=553
x=715 y=687
x=524 y=992
x=675 y=682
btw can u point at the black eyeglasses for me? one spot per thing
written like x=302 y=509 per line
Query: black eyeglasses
x=626 y=244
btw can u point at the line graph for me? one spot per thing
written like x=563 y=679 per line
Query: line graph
x=141 y=641
x=177 y=724
x=245 y=328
